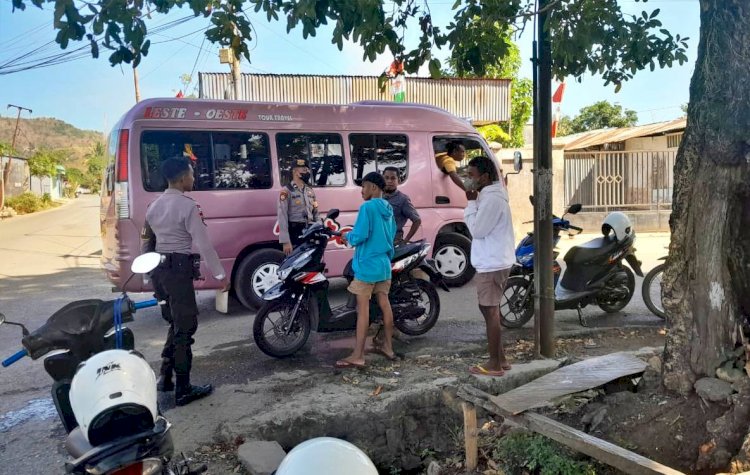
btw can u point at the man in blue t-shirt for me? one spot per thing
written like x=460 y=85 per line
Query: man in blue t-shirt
x=372 y=238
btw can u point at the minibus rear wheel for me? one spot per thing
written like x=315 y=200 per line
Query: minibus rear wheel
x=256 y=274
x=452 y=257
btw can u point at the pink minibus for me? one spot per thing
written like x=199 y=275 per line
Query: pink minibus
x=241 y=153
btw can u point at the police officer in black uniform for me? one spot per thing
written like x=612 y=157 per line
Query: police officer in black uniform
x=298 y=206
x=174 y=222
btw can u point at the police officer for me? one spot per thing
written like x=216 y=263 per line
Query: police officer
x=298 y=206
x=174 y=222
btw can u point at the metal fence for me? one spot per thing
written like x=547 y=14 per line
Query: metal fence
x=620 y=181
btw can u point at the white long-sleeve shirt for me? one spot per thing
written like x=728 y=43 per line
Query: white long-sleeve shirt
x=489 y=221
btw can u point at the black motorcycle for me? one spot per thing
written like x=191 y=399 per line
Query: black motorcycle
x=299 y=303
x=595 y=274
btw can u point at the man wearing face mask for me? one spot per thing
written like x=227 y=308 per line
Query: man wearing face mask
x=298 y=206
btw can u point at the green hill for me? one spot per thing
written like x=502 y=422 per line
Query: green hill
x=52 y=134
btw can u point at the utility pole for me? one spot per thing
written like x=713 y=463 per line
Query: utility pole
x=5 y=175
x=236 y=75
x=543 y=276
x=135 y=83
x=18 y=120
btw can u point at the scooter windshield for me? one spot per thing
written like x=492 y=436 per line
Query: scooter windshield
x=79 y=326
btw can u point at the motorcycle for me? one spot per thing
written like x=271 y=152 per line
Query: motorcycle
x=299 y=302
x=104 y=391
x=651 y=289
x=595 y=272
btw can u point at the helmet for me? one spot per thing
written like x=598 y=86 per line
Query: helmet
x=326 y=456
x=619 y=224
x=113 y=395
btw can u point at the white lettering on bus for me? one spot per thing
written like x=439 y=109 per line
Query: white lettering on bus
x=276 y=117
x=165 y=113
x=226 y=114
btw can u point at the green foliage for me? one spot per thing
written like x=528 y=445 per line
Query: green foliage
x=587 y=35
x=599 y=115
x=535 y=454
x=28 y=203
x=522 y=105
x=495 y=133
x=5 y=149
x=43 y=163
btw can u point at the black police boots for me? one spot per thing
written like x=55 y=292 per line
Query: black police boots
x=187 y=393
x=164 y=383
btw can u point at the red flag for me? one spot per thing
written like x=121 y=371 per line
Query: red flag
x=180 y=95
x=556 y=101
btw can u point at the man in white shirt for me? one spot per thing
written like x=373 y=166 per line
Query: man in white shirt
x=492 y=254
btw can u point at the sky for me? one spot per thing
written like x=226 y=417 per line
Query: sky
x=91 y=94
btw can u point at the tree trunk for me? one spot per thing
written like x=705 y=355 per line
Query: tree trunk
x=707 y=281
x=4 y=182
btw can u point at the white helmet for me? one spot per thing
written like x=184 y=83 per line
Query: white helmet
x=619 y=223
x=110 y=388
x=326 y=456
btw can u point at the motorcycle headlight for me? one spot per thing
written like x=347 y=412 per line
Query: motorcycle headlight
x=297 y=262
x=284 y=273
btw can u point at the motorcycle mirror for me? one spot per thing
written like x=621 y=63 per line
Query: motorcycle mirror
x=333 y=214
x=575 y=208
x=145 y=263
x=517 y=162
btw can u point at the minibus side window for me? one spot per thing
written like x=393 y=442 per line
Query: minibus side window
x=376 y=152
x=472 y=146
x=324 y=151
x=221 y=160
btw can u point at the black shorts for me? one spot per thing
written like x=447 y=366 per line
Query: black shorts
x=295 y=231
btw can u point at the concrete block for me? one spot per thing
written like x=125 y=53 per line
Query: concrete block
x=260 y=457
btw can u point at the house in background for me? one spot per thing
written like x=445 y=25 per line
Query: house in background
x=54 y=185
x=18 y=181
x=628 y=169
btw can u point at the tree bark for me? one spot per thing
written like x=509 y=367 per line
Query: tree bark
x=707 y=281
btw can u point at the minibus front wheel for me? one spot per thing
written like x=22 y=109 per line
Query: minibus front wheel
x=256 y=274
x=452 y=257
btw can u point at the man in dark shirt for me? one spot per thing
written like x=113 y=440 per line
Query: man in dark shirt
x=403 y=210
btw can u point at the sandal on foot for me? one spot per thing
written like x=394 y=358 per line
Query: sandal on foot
x=482 y=371
x=344 y=364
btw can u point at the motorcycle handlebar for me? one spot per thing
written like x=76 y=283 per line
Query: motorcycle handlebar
x=576 y=228
x=19 y=355
x=145 y=304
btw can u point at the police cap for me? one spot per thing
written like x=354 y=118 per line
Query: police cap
x=375 y=178
x=173 y=168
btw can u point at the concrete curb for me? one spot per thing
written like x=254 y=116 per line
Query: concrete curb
x=21 y=217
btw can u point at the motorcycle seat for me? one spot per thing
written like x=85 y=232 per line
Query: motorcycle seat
x=404 y=250
x=76 y=444
x=591 y=250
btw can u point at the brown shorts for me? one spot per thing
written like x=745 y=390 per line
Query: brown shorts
x=357 y=287
x=490 y=287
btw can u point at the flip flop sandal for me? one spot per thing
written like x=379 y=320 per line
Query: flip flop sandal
x=343 y=364
x=394 y=357
x=482 y=371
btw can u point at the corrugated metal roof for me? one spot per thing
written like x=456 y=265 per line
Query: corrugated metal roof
x=602 y=136
x=481 y=100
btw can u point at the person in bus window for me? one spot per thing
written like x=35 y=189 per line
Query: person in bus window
x=298 y=206
x=448 y=161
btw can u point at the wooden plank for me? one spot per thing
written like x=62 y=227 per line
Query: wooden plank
x=471 y=436
x=587 y=374
x=606 y=452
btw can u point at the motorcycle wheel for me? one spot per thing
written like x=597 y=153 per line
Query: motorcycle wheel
x=651 y=290
x=427 y=296
x=514 y=312
x=271 y=324
x=616 y=306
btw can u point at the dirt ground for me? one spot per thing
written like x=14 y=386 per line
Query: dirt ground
x=222 y=458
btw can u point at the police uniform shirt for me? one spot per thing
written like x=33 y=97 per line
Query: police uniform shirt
x=176 y=221
x=295 y=206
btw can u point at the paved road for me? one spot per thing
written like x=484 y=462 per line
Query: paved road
x=52 y=258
